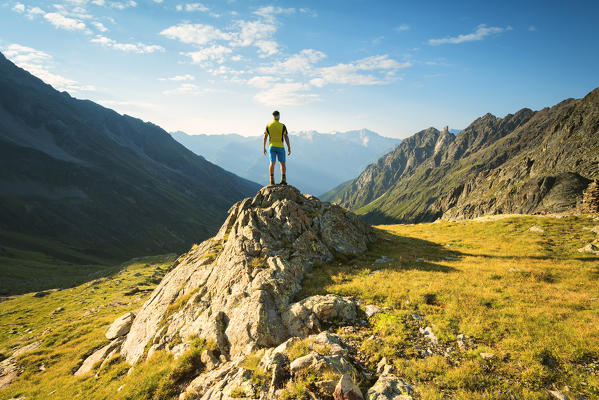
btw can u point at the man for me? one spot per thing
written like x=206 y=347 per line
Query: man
x=276 y=132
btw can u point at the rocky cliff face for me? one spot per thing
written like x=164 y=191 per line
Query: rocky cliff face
x=236 y=290
x=528 y=162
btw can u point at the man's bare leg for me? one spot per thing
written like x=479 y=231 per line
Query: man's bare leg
x=283 y=171
x=271 y=170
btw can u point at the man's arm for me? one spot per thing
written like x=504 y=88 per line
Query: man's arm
x=264 y=143
x=288 y=145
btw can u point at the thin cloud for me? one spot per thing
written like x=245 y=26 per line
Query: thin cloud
x=139 y=48
x=480 y=33
x=39 y=64
x=215 y=53
x=191 y=7
x=178 y=78
x=286 y=94
x=199 y=34
x=532 y=28
x=62 y=22
x=402 y=28
x=381 y=70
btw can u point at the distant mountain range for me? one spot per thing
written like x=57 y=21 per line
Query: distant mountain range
x=528 y=162
x=318 y=161
x=99 y=183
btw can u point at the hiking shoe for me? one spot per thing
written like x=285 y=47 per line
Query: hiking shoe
x=283 y=180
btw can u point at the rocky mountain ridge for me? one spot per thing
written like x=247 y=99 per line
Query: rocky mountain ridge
x=527 y=162
x=236 y=291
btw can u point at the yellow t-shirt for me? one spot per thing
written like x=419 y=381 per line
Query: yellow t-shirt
x=275 y=131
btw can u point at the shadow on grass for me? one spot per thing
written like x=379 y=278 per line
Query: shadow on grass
x=403 y=254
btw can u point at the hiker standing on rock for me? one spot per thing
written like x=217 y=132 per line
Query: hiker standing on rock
x=276 y=131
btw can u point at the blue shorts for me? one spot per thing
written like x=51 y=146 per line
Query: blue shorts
x=277 y=152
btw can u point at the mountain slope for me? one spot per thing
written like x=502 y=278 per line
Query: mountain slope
x=317 y=163
x=102 y=184
x=528 y=162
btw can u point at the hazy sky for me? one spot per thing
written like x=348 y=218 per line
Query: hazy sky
x=391 y=66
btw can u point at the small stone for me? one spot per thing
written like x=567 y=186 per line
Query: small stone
x=326 y=387
x=417 y=317
x=449 y=258
x=346 y=389
x=376 y=271
x=487 y=356
x=558 y=395
x=303 y=362
x=371 y=309
x=428 y=332
x=589 y=248
x=56 y=311
x=420 y=260
x=41 y=294
x=536 y=228
x=390 y=387
x=383 y=259
x=460 y=340
x=381 y=365
x=42 y=367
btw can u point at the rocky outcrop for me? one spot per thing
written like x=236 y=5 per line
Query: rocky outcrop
x=590 y=198
x=236 y=289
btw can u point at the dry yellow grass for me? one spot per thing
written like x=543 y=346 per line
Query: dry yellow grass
x=527 y=297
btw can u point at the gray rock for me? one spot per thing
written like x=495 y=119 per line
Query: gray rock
x=9 y=371
x=97 y=357
x=460 y=340
x=309 y=360
x=346 y=389
x=390 y=387
x=326 y=387
x=26 y=349
x=371 y=309
x=536 y=228
x=279 y=376
x=41 y=294
x=309 y=315
x=235 y=287
x=120 y=326
x=209 y=359
x=558 y=395
x=487 y=356
x=589 y=248
x=428 y=333
x=57 y=310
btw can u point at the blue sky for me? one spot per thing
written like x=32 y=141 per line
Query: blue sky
x=391 y=66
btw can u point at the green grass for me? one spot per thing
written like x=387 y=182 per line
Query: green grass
x=529 y=298
x=68 y=337
x=45 y=264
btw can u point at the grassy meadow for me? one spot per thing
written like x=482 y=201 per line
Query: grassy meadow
x=528 y=301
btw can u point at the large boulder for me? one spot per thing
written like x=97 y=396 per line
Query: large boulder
x=236 y=288
x=120 y=327
x=313 y=313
